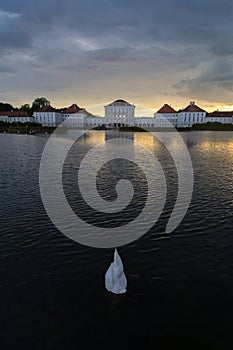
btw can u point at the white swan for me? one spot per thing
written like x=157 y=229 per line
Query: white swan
x=115 y=280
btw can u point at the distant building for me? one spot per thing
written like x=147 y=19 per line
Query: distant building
x=93 y=121
x=48 y=116
x=16 y=117
x=82 y=119
x=119 y=113
x=75 y=120
x=166 y=116
x=76 y=117
x=220 y=117
x=70 y=111
x=144 y=122
x=190 y=115
x=4 y=116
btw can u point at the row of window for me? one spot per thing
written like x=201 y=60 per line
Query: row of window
x=120 y=111
x=44 y=118
x=16 y=119
x=192 y=119
x=216 y=119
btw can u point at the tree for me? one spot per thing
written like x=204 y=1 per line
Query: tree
x=39 y=101
x=26 y=108
x=6 y=107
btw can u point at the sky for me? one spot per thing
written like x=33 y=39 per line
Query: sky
x=90 y=52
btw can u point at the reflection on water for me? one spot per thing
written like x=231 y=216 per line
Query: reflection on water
x=180 y=285
x=147 y=140
x=112 y=134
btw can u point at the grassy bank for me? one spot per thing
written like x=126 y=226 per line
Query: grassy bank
x=33 y=128
x=138 y=129
x=25 y=128
x=131 y=128
x=205 y=127
x=213 y=126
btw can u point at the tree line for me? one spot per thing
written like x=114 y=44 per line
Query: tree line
x=25 y=107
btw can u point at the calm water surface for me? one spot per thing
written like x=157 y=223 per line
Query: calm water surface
x=180 y=286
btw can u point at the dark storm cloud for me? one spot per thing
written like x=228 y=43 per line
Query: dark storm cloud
x=214 y=83
x=173 y=46
x=182 y=21
x=222 y=49
x=11 y=33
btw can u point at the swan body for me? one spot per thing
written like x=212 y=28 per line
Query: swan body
x=115 y=280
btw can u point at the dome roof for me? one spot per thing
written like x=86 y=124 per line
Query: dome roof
x=120 y=103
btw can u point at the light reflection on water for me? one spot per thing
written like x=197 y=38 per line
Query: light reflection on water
x=180 y=285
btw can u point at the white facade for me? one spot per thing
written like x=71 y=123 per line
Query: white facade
x=94 y=121
x=21 y=119
x=16 y=117
x=187 y=119
x=166 y=117
x=75 y=120
x=119 y=113
x=144 y=122
x=220 y=117
x=192 y=114
x=4 y=118
x=82 y=119
x=166 y=120
x=48 y=116
x=52 y=119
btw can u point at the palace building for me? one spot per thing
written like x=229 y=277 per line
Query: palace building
x=220 y=117
x=15 y=117
x=46 y=115
x=119 y=113
x=190 y=115
x=165 y=117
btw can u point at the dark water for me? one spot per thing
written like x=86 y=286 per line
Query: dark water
x=180 y=286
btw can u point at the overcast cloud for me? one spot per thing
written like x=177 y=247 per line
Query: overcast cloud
x=149 y=52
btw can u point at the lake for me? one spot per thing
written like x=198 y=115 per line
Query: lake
x=180 y=285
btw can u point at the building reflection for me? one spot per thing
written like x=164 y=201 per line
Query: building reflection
x=113 y=134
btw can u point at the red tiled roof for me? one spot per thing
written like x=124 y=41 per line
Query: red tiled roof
x=46 y=108
x=220 y=114
x=14 y=114
x=72 y=109
x=166 y=109
x=192 y=108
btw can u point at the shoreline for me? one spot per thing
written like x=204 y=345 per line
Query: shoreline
x=40 y=130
